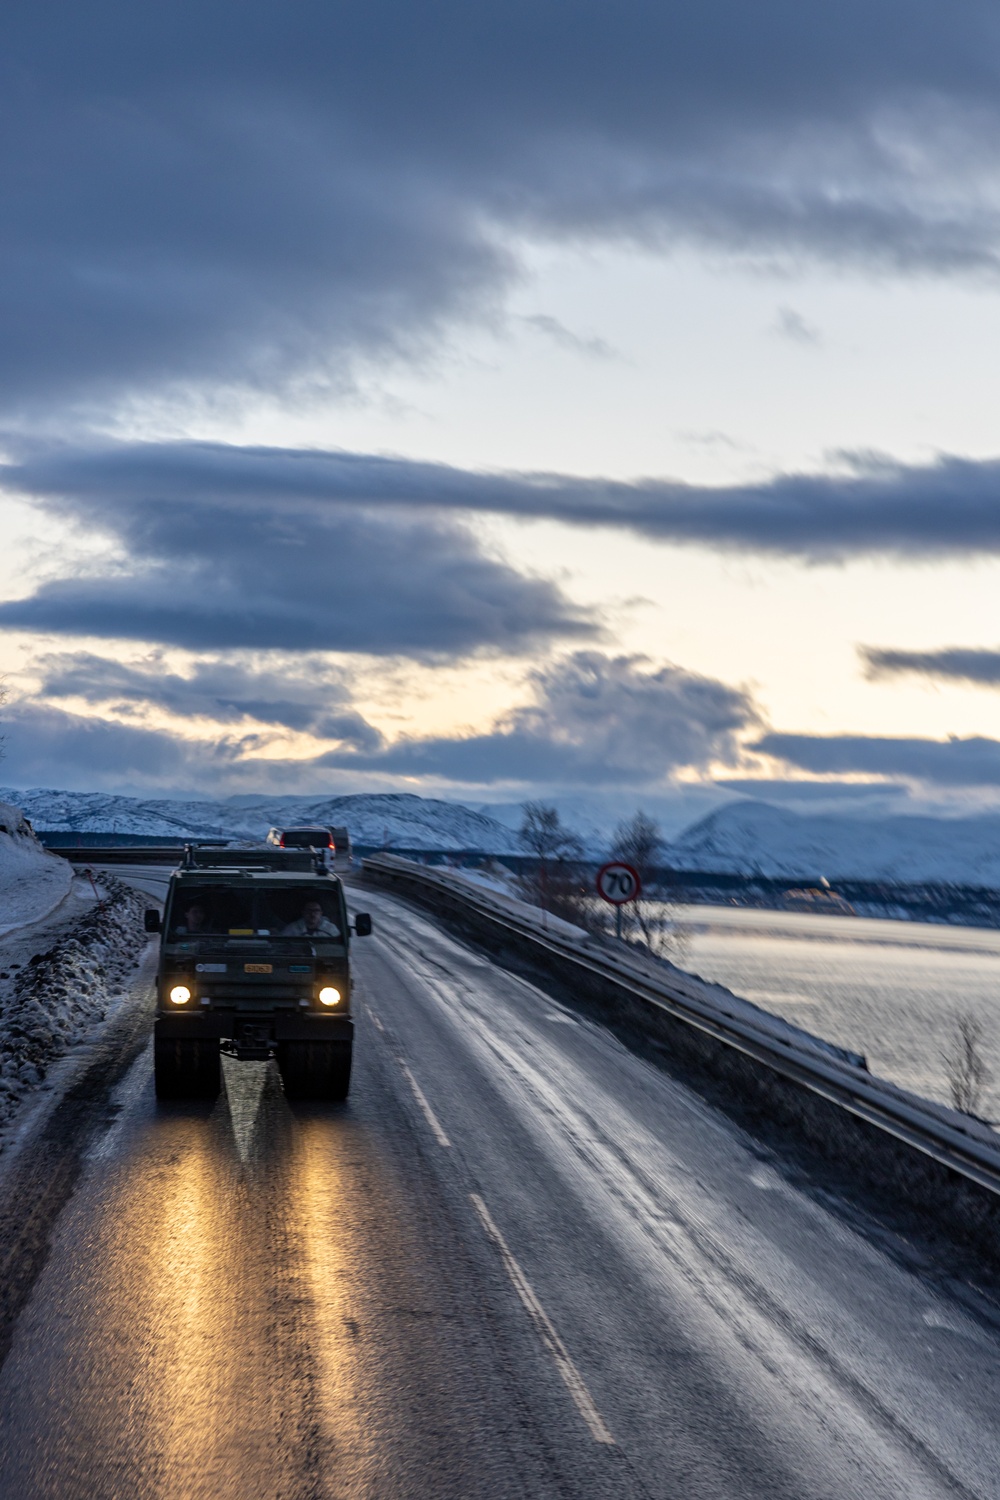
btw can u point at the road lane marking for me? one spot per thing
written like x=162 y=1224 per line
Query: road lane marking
x=564 y=1364
x=429 y=1114
x=418 y=1092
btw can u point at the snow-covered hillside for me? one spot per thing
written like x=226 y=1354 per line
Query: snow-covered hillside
x=740 y=838
x=755 y=838
x=593 y=816
x=32 y=881
x=402 y=821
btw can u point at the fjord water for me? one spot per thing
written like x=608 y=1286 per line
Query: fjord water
x=888 y=989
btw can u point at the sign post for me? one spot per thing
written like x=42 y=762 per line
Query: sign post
x=618 y=884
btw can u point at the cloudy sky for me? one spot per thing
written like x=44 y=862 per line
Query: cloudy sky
x=503 y=399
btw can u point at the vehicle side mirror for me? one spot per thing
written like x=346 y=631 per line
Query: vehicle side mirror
x=363 y=924
x=151 y=919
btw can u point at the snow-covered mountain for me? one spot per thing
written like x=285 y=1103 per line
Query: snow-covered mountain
x=740 y=838
x=401 y=821
x=755 y=838
x=594 y=815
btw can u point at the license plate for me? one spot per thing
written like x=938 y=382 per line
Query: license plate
x=210 y=968
x=258 y=968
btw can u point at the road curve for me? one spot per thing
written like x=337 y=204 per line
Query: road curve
x=519 y=1262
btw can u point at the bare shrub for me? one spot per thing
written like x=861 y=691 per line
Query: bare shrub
x=966 y=1068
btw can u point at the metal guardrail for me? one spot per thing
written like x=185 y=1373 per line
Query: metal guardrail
x=907 y=1118
x=128 y=854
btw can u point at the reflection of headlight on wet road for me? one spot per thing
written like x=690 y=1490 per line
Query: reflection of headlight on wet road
x=180 y=994
x=329 y=996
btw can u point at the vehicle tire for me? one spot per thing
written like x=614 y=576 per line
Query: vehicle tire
x=315 y=1070
x=186 y=1067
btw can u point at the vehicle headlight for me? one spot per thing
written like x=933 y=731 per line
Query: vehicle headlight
x=329 y=996
x=180 y=994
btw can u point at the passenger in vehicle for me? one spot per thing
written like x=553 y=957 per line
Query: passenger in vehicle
x=312 y=923
x=195 y=920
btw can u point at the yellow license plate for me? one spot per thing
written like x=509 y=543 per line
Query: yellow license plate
x=258 y=968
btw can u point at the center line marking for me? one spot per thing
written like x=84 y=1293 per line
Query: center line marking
x=429 y=1114
x=564 y=1364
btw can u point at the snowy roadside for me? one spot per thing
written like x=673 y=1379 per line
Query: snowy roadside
x=33 y=882
x=55 y=998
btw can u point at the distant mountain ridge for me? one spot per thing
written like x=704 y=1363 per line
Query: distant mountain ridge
x=397 y=820
x=749 y=838
x=743 y=838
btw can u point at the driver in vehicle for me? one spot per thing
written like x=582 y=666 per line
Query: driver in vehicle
x=312 y=923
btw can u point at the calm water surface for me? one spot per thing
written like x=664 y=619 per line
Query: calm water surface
x=888 y=989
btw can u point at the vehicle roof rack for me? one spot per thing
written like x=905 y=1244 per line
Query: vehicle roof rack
x=264 y=857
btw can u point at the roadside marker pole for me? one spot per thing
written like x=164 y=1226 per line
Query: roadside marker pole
x=90 y=876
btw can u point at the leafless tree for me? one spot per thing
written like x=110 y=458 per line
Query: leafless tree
x=555 y=883
x=966 y=1068
x=639 y=841
x=649 y=920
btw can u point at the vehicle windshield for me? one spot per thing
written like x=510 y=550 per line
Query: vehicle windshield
x=260 y=911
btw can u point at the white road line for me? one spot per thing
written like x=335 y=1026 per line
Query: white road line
x=418 y=1093
x=564 y=1364
x=429 y=1114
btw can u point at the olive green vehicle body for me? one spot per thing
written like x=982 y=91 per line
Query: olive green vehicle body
x=253 y=987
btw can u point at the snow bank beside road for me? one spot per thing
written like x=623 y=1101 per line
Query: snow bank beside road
x=32 y=881
x=59 y=995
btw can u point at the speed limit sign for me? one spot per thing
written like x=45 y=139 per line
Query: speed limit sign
x=618 y=883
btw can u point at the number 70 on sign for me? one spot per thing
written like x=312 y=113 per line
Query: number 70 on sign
x=618 y=883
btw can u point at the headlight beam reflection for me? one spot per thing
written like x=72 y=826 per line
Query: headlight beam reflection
x=323 y=1185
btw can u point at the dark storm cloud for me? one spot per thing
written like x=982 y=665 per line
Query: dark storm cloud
x=953 y=762
x=950 y=664
x=596 y=720
x=239 y=574
x=304 y=696
x=872 y=506
x=47 y=746
x=230 y=193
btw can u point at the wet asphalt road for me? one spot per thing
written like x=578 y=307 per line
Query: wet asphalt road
x=519 y=1261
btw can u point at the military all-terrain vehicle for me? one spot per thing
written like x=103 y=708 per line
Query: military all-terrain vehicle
x=254 y=961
